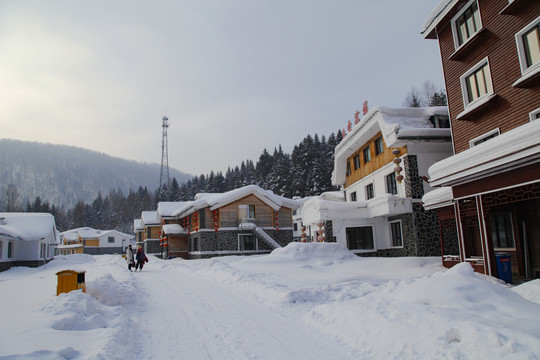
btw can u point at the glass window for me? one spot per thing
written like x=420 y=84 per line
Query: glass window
x=246 y=211
x=359 y=238
x=111 y=239
x=476 y=83
x=485 y=137
x=528 y=43
x=395 y=228
x=367 y=155
x=348 y=168
x=535 y=115
x=391 y=184
x=246 y=242
x=466 y=23
x=353 y=196
x=10 y=250
x=379 y=147
x=370 y=194
x=502 y=230
x=356 y=161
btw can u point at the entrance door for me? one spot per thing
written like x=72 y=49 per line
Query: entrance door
x=247 y=242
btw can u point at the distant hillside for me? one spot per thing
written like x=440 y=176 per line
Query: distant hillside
x=64 y=174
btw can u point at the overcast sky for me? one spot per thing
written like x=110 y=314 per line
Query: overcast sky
x=233 y=77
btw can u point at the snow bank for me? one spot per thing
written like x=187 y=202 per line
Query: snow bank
x=313 y=252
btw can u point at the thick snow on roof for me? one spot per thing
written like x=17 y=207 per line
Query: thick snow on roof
x=149 y=218
x=515 y=148
x=438 y=197
x=90 y=233
x=436 y=15
x=317 y=208
x=217 y=200
x=173 y=229
x=399 y=127
x=137 y=225
x=26 y=226
x=169 y=208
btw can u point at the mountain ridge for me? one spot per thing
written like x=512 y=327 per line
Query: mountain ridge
x=64 y=174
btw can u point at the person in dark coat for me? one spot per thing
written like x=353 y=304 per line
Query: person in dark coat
x=141 y=259
x=130 y=257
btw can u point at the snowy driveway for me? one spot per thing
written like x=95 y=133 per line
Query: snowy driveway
x=199 y=320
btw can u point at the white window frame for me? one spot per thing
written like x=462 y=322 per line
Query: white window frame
x=367 y=194
x=473 y=142
x=463 y=81
x=353 y=196
x=533 y=114
x=455 y=30
x=521 y=49
x=391 y=233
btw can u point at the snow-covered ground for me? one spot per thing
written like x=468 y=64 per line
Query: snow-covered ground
x=304 y=301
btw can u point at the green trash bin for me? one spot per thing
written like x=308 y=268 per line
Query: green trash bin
x=504 y=266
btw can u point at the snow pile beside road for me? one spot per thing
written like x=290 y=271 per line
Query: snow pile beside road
x=313 y=251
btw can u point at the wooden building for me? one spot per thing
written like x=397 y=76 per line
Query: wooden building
x=244 y=221
x=490 y=52
x=92 y=241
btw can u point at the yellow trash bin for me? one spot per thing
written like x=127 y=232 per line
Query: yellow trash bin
x=69 y=280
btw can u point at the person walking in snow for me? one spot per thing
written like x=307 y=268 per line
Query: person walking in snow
x=141 y=259
x=130 y=257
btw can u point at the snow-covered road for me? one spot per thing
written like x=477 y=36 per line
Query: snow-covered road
x=201 y=320
x=302 y=302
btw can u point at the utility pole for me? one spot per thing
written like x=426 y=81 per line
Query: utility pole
x=164 y=176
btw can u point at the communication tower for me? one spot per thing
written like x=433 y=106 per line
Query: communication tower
x=164 y=176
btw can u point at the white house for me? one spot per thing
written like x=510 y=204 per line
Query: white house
x=26 y=239
x=96 y=242
x=381 y=165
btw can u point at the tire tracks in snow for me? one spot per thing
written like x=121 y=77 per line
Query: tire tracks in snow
x=187 y=317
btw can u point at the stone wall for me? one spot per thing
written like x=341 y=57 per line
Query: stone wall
x=151 y=246
x=414 y=186
x=427 y=230
x=102 y=250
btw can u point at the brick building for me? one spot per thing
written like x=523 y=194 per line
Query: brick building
x=490 y=189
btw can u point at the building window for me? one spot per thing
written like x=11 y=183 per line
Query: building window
x=535 y=115
x=502 y=231
x=247 y=242
x=484 y=137
x=295 y=227
x=356 y=161
x=359 y=238
x=148 y=233
x=397 y=238
x=10 y=249
x=246 y=211
x=466 y=23
x=353 y=196
x=379 y=147
x=476 y=83
x=370 y=194
x=194 y=244
x=528 y=44
x=440 y=121
x=391 y=184
x=348 y=168
x=1 y=249
x=367 y=155
x=111 y=239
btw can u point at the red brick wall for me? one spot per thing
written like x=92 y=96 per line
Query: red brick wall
x=513 y=105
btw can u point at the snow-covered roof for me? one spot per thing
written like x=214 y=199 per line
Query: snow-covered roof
x=438 y=197
x=91 y=233
x=169 y=208
x=317 y=208
x=149 y=218
x=173 y=229
x=26 y=226
x=513 y=149
x=217 y=200
x=398 y=126
x=137 y=225
x=444 y=7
